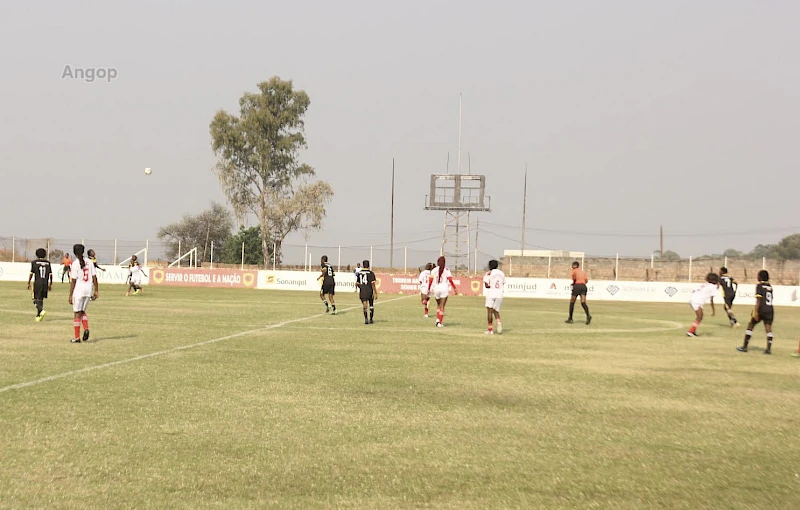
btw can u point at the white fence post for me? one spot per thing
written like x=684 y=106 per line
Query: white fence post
x=212 y=255
x=405 y=260
x=726 y=262
x=309 y=261
x=180 y=253
x=652 y=260
x=146 y=250
x=115 y=251
x=763 y=262
x=305 y=259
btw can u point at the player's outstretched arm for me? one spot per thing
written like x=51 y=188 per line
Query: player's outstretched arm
x=96 y=293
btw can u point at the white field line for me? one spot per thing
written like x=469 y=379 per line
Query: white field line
x=62 y=375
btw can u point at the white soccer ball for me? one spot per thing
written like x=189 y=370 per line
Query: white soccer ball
x=148 y=171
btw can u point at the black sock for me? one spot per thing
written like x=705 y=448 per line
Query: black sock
x=747 y=335
x=325 y=303
x=571 y=309
x=365 y=314
x=585 y=308
x=334 y=307
x=371 y=312
x=769 y=341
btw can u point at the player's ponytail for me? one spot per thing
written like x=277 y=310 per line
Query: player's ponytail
x=78 y=250
x=440 y=262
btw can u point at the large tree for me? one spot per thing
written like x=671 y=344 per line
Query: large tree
x=258 y=161
x=198 y=231
x=250 y=238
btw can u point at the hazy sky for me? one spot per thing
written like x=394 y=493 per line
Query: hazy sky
x=629 y=114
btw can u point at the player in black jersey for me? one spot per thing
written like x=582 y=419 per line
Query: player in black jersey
x=365 y=281
x=43 y=283
x=729 y=286
x=763 y=311
x=328 y=285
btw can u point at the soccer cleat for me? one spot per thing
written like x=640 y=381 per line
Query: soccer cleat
x=768 y=351
x=366 y=322
x=568 y=321
x=741 y=349
x=75 y=341
x=439 y=324
x=371 y=321
x=499 y=328
x=38 y=318
x=691 y=334
x=137 y=291
x=488 y=332
x=796 y=354
x=736 y=325
x=426 y=315
x=588 y=320
x=42 y=314
x=333 y=312
x=85 y=335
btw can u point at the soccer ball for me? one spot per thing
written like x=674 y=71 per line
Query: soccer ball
x=148 y=171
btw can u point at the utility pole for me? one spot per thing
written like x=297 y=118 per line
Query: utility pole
x=391 y=228
x=524 y=207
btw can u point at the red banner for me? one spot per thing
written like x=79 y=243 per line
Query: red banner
x=404 y=284
x=230 y=278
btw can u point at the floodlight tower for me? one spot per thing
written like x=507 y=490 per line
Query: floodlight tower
x=457 y=195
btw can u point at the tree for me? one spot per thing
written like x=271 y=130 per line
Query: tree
x=198 y=231
x=764 y=250
x=670 y=255
x=730 y=252
x=253 y=254
x=788 y=248
x=300 y=208
x=258 y=161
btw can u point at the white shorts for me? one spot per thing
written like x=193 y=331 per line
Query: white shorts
x=695 y=306
x=494 y=303
x=423 y=289
x=441 y=292
x=79 y=303
x=136 y=281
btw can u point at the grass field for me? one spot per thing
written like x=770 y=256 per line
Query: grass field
x=184 y=399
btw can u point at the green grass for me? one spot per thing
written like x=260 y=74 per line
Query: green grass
x=325 y=412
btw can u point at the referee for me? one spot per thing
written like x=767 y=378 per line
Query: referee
x=579 y=281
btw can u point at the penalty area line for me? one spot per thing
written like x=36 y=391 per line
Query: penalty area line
x=92 y=368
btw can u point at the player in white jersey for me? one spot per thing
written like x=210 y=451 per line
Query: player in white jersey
x=440 y=281
x=424 y=277
x=82 y=289
x=135 y=272
x=493 y=283
x=704 y=293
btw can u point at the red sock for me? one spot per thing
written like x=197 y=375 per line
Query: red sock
x=440 y=315
x=85 y=321
x=425 y=304
x=77 y=325
x=693 y=329
x=490 y=326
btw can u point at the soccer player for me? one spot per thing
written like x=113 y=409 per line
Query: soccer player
x=93 y=257
x=763 y=311
x=135 y=272
x=424 y=276
x=494 y=281
x=328 y=285
x=367 y=291
x=704 y=293
x=729 y=287
x=441 y=280
x=66 y=263
x=579 y=289
x=355 y=273
x=82 y=289
x=43 y=274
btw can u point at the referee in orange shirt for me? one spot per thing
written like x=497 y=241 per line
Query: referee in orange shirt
x=579 y=281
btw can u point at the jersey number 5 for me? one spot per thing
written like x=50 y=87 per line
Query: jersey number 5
x=85 y=274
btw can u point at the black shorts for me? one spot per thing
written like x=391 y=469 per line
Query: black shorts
x=328 y=288
x=765 y=317
x=729 y=300
x=39 y=292
x=579 y=289
x=367 y=296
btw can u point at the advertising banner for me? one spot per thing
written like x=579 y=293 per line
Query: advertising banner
x=182 y=277
x=18 y=272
